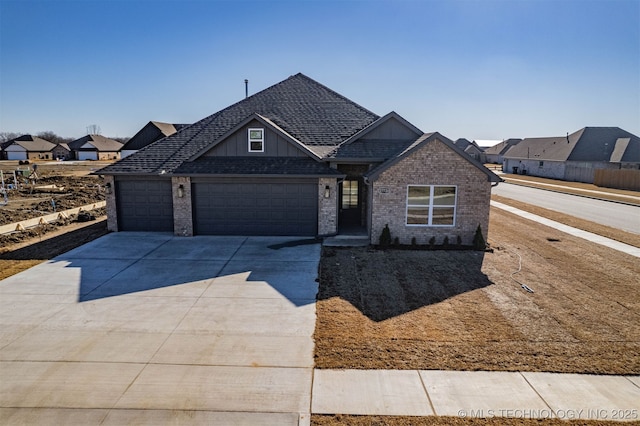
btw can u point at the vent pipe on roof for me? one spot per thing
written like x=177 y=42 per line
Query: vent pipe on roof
x=246 y=88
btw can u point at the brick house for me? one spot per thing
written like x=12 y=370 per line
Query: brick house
x=300 y=159
x=28 y=147
x=95 y=147
x=576 y=156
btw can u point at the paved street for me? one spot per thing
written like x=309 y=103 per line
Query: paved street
x=616 y=215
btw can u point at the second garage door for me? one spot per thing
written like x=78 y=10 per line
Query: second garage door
x=144 y=205
x=256 y=208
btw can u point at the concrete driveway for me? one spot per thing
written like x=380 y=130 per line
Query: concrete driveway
x=151 y=328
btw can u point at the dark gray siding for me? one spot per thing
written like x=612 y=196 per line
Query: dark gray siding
x=392 y=129
x=144 y=205
x=148 y=134
x=236 y=145
x=255 y=207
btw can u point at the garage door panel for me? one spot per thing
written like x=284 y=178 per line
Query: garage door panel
x=256 y=208
x=145 y=205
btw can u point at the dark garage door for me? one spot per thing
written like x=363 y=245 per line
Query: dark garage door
x=256 y=208
x=145 y=205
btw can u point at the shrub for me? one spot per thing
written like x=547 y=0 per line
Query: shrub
x=459 y=240
x=432 y=241
x=445 y=242
x=385 y=237
x=413 y=241
x=396 y=241
x=478 y=240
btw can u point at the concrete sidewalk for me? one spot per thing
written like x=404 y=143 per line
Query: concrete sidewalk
x=149 y=328
x=476 y=394
x=598 y=239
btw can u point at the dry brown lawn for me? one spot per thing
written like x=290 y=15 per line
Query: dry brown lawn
x=596 y=228
x=325 y=420
x=21 y=256
x=462 y=310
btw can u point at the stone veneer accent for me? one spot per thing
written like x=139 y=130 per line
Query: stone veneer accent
x=182 y=214
x=327 y=207
x=112 y=209
x=433 y=164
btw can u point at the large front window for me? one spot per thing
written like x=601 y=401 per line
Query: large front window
x=431 y=205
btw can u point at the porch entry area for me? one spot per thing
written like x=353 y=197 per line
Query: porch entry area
x=351 y=207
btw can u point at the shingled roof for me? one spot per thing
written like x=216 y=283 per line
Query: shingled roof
x=310 y=112
x=32 y=143
x=151 y=132
x=587 y=144
x=421 y=141
x=100 y=142
x=502 y=147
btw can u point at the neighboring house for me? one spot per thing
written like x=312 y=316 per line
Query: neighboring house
x=95 y=147
x=300 y=159
x=62 y=152
x=27 y=147
x=151 y=132
x=472 y=149
x=494 y=154
x=575 y=157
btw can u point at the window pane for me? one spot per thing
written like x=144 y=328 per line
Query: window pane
x=255 y=134
x=256 y=146
x=417 y=216
x=419 y=195
x=349 y=194
x=444 y=196
x=442 y=216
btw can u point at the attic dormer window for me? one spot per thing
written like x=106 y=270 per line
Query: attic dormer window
x=256 y=140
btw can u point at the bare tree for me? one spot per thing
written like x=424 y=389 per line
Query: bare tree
x=7 y=136
x=53 y=137
x=93 y=129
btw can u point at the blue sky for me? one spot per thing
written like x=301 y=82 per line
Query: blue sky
x=477 y=69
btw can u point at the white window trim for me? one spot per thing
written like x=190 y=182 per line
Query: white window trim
x=431 y=192
x=261 y=140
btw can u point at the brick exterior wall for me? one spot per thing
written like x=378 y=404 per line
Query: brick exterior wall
x=112 y=210
x=108 y=155
x=327 y=207
x=433 y=164
x=182 y=214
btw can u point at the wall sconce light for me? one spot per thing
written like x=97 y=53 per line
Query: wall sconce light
x=108 y=188
x=180 y=191
x=327 y=192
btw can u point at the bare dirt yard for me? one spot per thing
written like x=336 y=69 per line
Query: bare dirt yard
x=20 y=256
x=463 y=310
x=59 y=186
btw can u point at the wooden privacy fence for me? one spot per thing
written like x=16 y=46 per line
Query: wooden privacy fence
x=619 y=178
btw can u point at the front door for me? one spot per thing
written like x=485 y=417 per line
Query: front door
x=350 y=204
